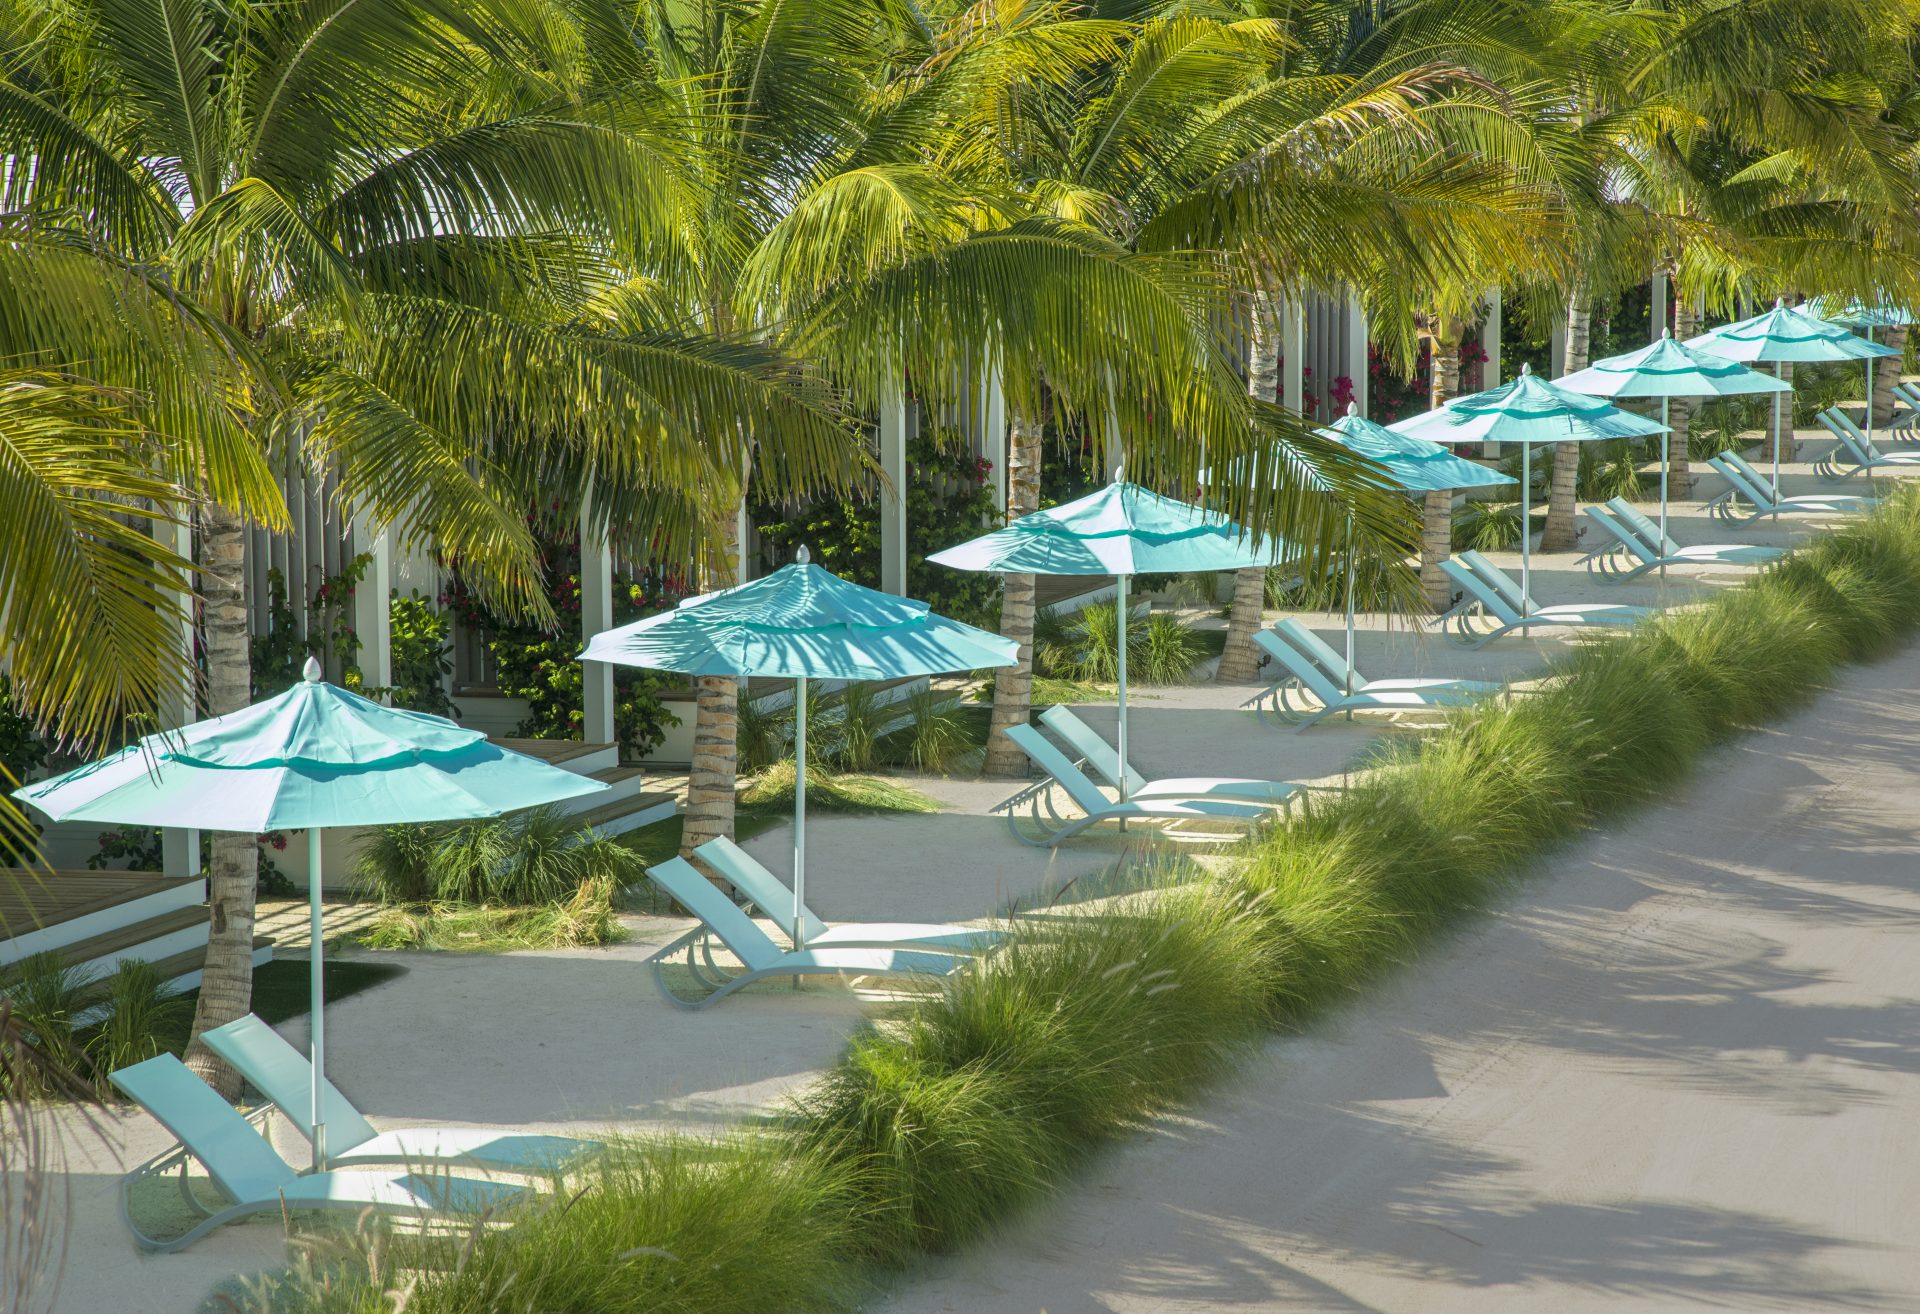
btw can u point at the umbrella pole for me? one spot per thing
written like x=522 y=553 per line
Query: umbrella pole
x=1777 y=374
x=317 y=1019
x=1868 y=362
x=1120 y=671
x=1352 y=570
x=1666 y=465
x=1526 y=521
x=799 y=813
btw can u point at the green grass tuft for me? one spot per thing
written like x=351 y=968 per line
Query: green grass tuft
x=827 y=791
x=1089 y=1020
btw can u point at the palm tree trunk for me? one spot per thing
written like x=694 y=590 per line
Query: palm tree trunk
x=1686 y=322
x=1559 y=536
x=226 y=982
x=1886 y=373
x=1436 y=511
x=1239 y=659
x=713 y=772
x=1013 y=685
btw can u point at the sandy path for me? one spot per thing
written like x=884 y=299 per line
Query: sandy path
x=1681 y=1074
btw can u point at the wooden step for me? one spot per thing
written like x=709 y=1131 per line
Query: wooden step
x=31 y=901
x=139 y=933
x=629 y=813
x=554 y=752
x=189 y=961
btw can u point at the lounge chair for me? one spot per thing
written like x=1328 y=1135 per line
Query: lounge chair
x=1635 y=546
x=1490 y=593
x=1103 y=760
x=1750 y=487
x=284 y=1077
x=760 y=956
x=1334 y=665
x=1305 y=676
x=773 y=897
x=1062 y=774
x=1860 y=454
x=255 y=1179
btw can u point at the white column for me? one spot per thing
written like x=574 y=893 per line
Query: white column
x=372 y=619
x=180 y=848
x=1490 y=327
x=893 y=501
x=1293 y=353
x=1657 y=315
x=1357 y=351
x=993 y=417
x=1113 y=450
x=596 y=614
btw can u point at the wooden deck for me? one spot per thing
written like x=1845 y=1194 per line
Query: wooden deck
x=37 y=900
x=554 y=752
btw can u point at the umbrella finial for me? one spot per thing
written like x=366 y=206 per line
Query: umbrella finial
x=1666 y=332
x=1120 y=473
x=1525 y=368
x=1353 y=408
x=311 y=670
x=802 y=556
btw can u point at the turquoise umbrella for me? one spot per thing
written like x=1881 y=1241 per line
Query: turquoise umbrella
x=1527 y=411
x=1411 y=463
x=1857 y=314
x=312 y=757
x=1669 y=369
x=801 y=623
x=1122 y=530
x=1782 y=335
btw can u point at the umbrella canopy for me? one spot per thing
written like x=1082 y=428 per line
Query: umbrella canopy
x=1122 y=530
x=1527 y=411
x=1668 y=369
x=1863 y=315
x=802 y=623
x=1784 y=335
x=1415 y=464
x=312 y=757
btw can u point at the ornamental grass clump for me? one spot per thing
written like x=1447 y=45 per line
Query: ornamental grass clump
x=745 y=1225
x=1088 y=1020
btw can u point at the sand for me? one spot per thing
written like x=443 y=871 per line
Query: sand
x=1668 y=1074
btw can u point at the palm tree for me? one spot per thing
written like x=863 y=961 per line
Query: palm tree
x=391 y=236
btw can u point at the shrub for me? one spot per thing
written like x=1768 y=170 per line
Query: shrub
x=421 y=642
x=1486 y=526
x=829 y=791
x=938 y=735
x=88 y=1025
x=1610 y=469
x=579 y=920
x=537 y=858
x=144 y=1016
x=667 y=1226
x=1084 y=646
x=1377 y=586
x=1080 y=1027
